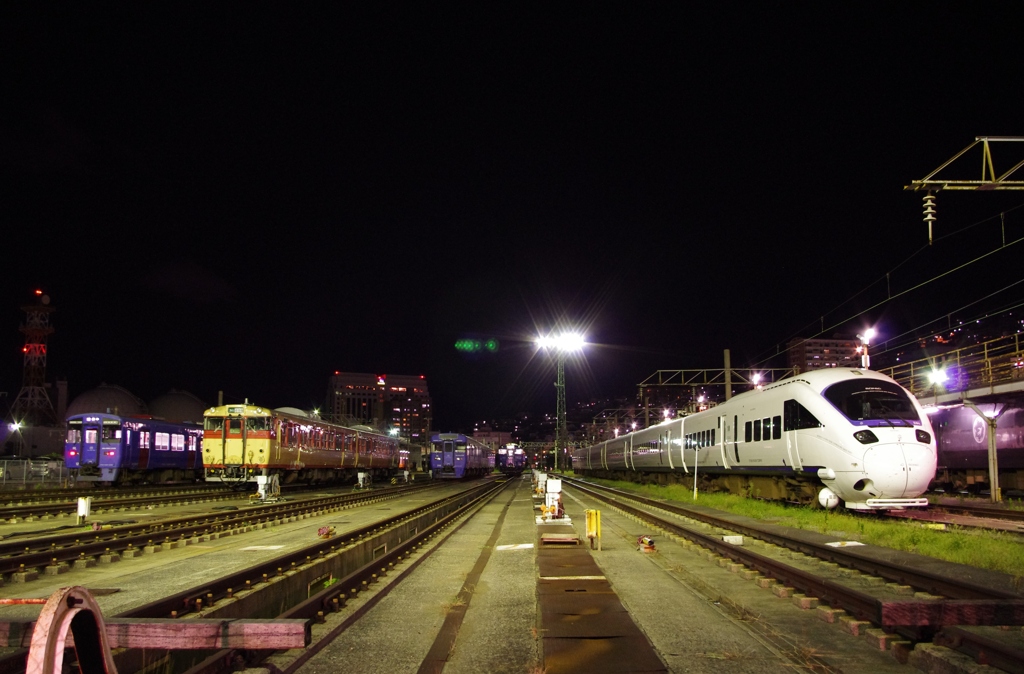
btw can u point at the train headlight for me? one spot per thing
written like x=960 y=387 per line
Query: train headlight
x=865 y=437
x=923 y=436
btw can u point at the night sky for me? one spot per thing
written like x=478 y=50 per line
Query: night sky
x=248 y=197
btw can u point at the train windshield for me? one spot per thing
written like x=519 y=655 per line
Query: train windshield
x=214 y=423
x=873 y=402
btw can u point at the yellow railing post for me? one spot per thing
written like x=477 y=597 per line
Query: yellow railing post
x=594 y=527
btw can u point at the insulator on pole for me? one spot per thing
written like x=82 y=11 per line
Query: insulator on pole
x=929 y=213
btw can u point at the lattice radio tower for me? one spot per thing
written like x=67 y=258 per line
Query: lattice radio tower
x=33 y=405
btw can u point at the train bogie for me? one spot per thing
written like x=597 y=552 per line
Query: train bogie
x=840 y=434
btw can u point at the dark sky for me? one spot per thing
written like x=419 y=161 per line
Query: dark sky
x=248 y=197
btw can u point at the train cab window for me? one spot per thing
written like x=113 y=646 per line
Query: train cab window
x=234 y=426
x=111 y=433
x=748 y=432
x=872 y=400
x=777 y=428
x=757 y=430
x=796 y=417
x=90 y=435
x=257 y=424
x=213 y=424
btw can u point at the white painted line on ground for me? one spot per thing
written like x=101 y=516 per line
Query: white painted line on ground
x=520 y=546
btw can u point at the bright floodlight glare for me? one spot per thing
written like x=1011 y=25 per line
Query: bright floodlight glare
x=868 y=335
x=937 y=376
x=757 y=377
x=566 y=341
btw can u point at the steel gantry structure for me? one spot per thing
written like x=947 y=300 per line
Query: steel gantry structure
x=989 y=180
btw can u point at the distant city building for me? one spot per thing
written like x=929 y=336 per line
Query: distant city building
x=384 y=401
x=491 y=438
x=815 y=354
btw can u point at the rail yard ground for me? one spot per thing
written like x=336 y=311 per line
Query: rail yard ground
x=987 y=549
x=691 y=613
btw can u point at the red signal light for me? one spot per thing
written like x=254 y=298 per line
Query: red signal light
x=39 y=292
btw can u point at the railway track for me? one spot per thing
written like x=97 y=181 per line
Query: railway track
x=21 y=497
x=23 y=560
x=307 y=583
x=909 y=598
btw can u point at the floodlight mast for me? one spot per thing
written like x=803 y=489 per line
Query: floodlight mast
x=561 y=344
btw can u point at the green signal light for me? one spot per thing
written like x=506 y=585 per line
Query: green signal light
x=476 y=346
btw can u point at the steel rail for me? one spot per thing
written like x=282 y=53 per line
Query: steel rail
x=208 y=594
x=332 y=599
x=850 y=557
x=69 y=548
x=916 y=620
x=184 y=602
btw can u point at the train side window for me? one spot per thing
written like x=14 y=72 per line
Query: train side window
x=162 y=441
x=712 y=437
x=757 y=430
x=178 y=443
x=766 y=425
x=795 y=417
x=748 y=432
x=776 y=428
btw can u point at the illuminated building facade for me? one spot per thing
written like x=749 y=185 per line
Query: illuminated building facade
x=384 y=401
x=816 y=354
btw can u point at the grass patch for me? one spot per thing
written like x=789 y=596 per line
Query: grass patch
x=985 y=549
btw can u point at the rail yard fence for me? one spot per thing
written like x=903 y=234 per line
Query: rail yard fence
x=986 y=364
x=21 y=473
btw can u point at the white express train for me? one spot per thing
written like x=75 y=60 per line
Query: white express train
x=843 y=435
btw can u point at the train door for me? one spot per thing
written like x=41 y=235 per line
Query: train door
x=448 y=456
x=192 y=447
x=722 y=435
x=139 y=438
x=234 y=441
x=91 y=427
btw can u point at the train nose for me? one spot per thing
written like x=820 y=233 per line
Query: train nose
x=899 y=470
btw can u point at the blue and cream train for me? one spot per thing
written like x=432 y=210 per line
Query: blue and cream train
x=841 y=435
x=453 y=455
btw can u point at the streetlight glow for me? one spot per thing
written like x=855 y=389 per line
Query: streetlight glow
x=865 y=339
x=565 y=341
x=561 y=344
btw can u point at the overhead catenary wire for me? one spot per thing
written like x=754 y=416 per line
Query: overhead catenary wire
x=766 y=356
